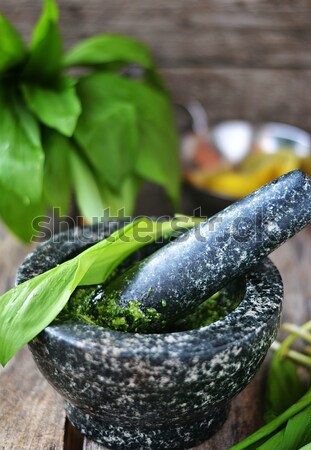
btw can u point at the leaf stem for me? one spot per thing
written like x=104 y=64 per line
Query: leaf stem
x=298 y=331
x=291 y=339
x=272 y=426
x=295 y=356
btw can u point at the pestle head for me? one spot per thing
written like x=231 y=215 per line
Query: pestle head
x=181 y=275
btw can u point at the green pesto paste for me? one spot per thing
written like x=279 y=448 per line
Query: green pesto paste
x=107 y=314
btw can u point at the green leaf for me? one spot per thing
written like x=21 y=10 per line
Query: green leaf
x=267 y=430
x=20 y=217
x=306 y=447
x=110 y=141
x=58 y=107
x=12 y=48
x=46 y=49
x=298 y=431
x=86 y=190
x=114 y=52
x=21 y=154
x=96 y=200
x=121 y=203
x=28 y=308
x=158 y=159
x=284 y=387
x=23 y=311
x=108 y=48
x=157 y=146
x=274 y=442
x=57 y=180
x=154 y=79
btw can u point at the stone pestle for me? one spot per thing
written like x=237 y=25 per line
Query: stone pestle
x=185 y=272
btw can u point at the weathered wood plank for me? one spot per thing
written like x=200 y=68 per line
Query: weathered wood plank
x=294 y=262
x=255 y=95
x=12 y=254
x=31 y=413
x=185 y=33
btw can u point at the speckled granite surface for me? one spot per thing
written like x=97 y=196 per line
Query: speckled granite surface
x=155 y=391
x=200 y=262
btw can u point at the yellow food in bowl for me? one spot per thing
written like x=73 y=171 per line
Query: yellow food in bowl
x=256 y=170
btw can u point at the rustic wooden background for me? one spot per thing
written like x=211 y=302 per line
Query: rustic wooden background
x=247 y=59
x=242 y=58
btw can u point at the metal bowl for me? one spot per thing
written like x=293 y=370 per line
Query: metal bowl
x=235 y=140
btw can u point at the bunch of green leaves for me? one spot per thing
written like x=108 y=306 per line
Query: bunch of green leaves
x=98 y=135
x=29 y=307
x=288 y=397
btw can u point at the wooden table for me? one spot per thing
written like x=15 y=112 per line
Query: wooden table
x=31 y=413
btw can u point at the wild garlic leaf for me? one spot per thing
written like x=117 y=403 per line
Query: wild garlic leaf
x=86 y=189
x=109 y=137
x=157 y=164
x=154 y=79
x=115 y=51
x=31 y=306
x=57 y=107
x=20 y=217
x=129 y=191
x=274 y=442
x=12 y=48
x=24 y=312
x=298 y=431
x=109 y=253
x=306 y=447
x=46 y=48
x=123 y=200
x=295 y=434
x=21 y=154
x=158 y=159
x=57 y=179
x=157 y=146
x=284 y=387
x=107 y=48
x=270 y=428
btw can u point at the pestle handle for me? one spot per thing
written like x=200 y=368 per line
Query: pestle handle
x=201 y=261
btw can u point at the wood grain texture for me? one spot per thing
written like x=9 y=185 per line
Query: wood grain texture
x=184 y=33
x=12 y=254
x=251 y=94
x=31 y=413
x=293 y=260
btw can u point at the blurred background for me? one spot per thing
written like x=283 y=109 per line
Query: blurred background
x=235 y=60
x=240 y=59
